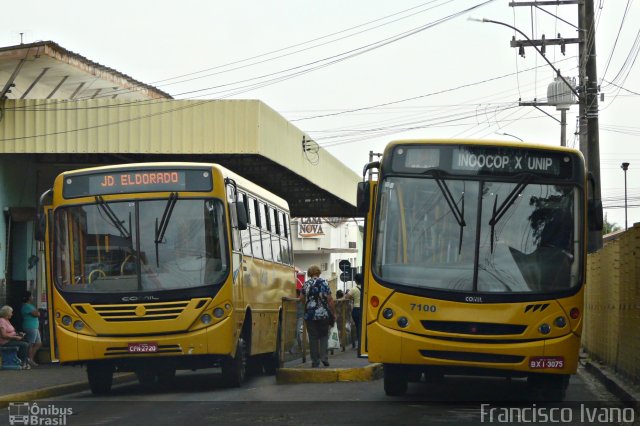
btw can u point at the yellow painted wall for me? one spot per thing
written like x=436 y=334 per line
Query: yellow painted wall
x=612 y=304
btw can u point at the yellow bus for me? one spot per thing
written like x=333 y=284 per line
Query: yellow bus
x=154 y=267
x=474 y=261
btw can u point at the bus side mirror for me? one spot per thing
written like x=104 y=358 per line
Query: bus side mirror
x=362 y=199
x=594 y=215
x=41 y=226
x=241 y=215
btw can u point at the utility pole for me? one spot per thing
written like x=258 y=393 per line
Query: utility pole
x=589 y=128
x=587 y=89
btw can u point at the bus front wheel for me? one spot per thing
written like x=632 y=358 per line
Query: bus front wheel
x=234 y=370
x=396 y=380
x=100 y=378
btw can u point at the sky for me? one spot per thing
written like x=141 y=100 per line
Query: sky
x=357 y=74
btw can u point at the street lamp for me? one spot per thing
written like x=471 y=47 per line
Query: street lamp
x=625 y=166
x=509 y=134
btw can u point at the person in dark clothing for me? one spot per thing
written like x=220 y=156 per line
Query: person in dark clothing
x=319 y=315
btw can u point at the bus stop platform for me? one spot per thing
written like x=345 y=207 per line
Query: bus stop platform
x=344 y=366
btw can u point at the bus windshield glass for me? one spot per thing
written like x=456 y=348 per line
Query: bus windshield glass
x=117 y=247
x=478 y=235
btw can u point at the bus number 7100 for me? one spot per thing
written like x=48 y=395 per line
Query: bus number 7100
x=423 y=308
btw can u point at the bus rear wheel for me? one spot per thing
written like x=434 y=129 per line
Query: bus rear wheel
x=396 y=380
x=234 y=370
x=100 y=378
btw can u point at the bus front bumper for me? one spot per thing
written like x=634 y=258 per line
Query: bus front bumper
x=554 y=355
x=216 y=339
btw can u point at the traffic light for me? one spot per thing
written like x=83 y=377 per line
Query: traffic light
x=345 y=267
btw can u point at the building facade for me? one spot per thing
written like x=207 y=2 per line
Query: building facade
x=325 y=242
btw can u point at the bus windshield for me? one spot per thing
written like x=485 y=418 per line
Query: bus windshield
x=478 y=235
x=137 y=246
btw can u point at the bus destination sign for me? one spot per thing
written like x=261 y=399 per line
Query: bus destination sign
x=138 y=181
x=130 y=181
x=479 y=160
x=511 y=162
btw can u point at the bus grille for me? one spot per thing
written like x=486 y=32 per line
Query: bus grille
x=124 y=350
x=140 y=312
x=473 y=356
x=475 y=328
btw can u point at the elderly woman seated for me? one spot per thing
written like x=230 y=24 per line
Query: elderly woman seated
x=9 y=337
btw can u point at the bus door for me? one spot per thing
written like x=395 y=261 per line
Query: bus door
x=238 y=220
x=44 y=224
x=366 y=194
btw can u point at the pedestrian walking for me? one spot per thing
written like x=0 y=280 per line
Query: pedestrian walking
x=319 y=315
x=31 y=327
x=356 y=313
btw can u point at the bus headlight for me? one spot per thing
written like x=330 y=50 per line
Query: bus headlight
x=387 y=313
x=218 y=312
x=78 y=325
x=403 y=322
x=206 y=319
x=560 y=322
x=545 y=328
x=66 y=320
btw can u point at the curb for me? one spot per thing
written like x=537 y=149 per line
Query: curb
x=58 y=390
x=612 y=383
x=329 y=375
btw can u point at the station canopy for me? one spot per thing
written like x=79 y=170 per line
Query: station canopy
x=65 y=109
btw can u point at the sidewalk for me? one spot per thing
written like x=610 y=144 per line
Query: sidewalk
x=44 y=381
x=344 y=367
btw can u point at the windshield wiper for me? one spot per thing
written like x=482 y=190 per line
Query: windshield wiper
x=113 y=218
x=164 y=222
x=458 y=214
x=498 y=212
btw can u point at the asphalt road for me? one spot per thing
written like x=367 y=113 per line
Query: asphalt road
x=198 y=398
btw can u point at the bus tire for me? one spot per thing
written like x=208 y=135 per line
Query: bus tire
x=396 y=380
x=100 y=378
x=234 y=370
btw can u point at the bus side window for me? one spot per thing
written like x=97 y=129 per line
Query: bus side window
x=275 y=238
x=284 y=242
x=254 y=228
x=245 y=236
x=266 y=238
